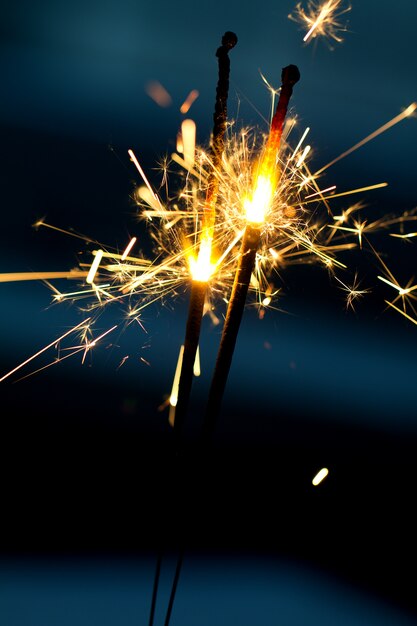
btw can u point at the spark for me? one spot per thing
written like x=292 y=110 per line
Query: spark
x=197 y=364
x=402 y=291
x=320 y=476
x=69 y=233
x=320 y=192
x=303 y=156
x=94 y=342
x=382 y=129
x=353 y=292
x=321 y=19
x=298 y=146
x=406 y=294
x=173 y=398
x=405 y=236
x=74 y=294
x=175 y=157
x=188 y=131
x=94 y=267
x=190 y=99
x=142 y=173
x=411 y=319
x=19 y=276
x=128 y=249
x=353 y=191
x=50 y=345
x=122 y=362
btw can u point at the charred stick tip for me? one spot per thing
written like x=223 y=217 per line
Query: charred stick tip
x=229 y=40
x=290 y=75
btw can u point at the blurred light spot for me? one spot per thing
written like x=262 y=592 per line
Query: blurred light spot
x=188 y=132
x=158 y=93
x=192 y=96
x=320 y=476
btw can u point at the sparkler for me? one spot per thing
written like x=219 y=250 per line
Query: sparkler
x=202 y=268
x=265 y=181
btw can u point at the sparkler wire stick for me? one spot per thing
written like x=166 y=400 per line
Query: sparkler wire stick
x=265 y=171
x=199 y=287
x=155 y=589
x=192 y=335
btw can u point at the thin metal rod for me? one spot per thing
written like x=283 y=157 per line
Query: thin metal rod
x=174 y=587
x=192 y=336
x=289 y=76
x=231 y=327
x=198 y=289
x=155 y=589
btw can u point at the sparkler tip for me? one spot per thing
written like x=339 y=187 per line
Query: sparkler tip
x=290 y=75
x=229 y=40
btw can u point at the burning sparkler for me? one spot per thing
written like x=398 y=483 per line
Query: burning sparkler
x=202 y=267
x=266 y=175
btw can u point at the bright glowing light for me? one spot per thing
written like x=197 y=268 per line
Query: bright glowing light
x=201 y=268
x=298 y=146
x=411 y=319
x=18 y=276
x=197 y=364
x=320 y=476
x=94 y=267
x=173 y=398
x=188 y=132
x=321 y=19
x=142 y=173
x=192 y=96
x=128 y=248
x=302 y=157
x=321 y=192
x=257 y=206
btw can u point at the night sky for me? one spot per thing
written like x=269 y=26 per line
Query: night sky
x=91 y=491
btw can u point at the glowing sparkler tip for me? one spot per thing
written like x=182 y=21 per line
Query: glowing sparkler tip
x=201 y=268
x=257 y=206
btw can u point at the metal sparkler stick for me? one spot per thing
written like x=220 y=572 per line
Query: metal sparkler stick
x=266 y=176
x=199 y=286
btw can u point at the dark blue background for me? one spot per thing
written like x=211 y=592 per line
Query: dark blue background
x=86 y=462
